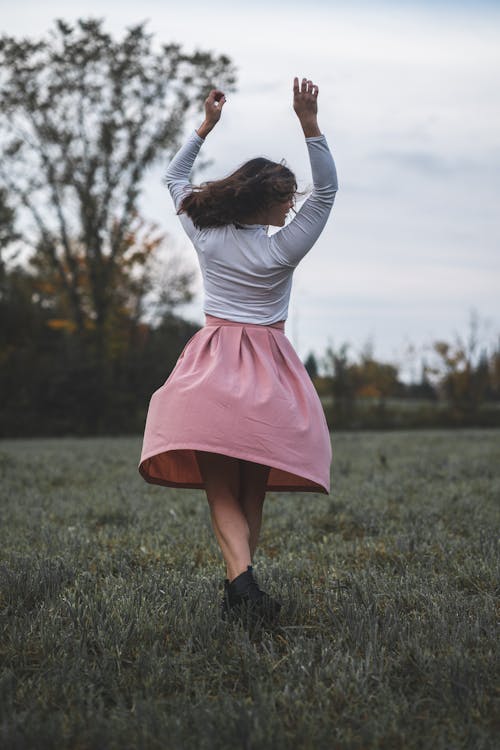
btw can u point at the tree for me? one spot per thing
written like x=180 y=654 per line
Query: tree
x=8 y=236
x=423 y=388
x=8 y=233
x=133 y=295
x=461 y=371
x=311 y=366
x=336 y=366
x=85 y=334
x=82 y=117
x=374 y=379
x=494 y=370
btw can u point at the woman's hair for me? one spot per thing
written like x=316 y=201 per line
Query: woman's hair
x=253 y=187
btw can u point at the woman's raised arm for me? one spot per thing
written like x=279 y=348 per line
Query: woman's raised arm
x=179 y=169
x=291 y=243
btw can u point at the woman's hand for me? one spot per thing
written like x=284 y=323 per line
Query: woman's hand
x=213 y=110
x=305 y=104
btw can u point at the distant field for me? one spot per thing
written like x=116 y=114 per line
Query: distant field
x=110 y=590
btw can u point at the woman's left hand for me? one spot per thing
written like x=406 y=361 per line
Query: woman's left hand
x=213 y=106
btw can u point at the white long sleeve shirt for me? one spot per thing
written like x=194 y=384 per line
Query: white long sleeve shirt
x=247 y=274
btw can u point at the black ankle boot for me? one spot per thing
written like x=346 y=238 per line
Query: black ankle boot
x=243 y=594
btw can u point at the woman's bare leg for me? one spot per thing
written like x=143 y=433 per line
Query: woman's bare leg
x=253 y=480
x=221 y=475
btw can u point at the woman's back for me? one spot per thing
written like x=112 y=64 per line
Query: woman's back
x=247 y=274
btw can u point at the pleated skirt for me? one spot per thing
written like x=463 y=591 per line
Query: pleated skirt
x=238 y=389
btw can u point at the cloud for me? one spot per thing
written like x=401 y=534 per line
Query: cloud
x=421 y=161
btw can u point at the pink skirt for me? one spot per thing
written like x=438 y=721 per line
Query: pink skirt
x=238 y=389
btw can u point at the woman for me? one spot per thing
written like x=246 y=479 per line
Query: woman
x=238 y=415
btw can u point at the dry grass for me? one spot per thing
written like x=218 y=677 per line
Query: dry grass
x=109 y=593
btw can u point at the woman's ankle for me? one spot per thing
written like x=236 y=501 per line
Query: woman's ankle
x=233 y=573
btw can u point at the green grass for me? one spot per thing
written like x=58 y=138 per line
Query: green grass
x=110 y=588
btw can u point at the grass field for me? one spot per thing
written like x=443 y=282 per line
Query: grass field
x=109 y=595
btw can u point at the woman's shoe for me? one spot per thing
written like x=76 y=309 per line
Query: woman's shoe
x=244 y=596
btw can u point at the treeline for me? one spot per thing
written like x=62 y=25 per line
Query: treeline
x=54 y=380
x=459 y=385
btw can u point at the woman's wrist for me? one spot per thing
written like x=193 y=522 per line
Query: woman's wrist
x=310 y=127
x=205 y=128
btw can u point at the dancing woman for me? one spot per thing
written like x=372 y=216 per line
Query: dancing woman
x=238 y=415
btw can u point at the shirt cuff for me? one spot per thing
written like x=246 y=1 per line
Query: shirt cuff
x=197 y=137
x=316 y=137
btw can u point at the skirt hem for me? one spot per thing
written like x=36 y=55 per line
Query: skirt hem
x=321 y=488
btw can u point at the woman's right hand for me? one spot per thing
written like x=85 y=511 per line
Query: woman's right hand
x=305 y=104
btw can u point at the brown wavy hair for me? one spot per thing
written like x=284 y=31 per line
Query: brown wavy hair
x=253 y=187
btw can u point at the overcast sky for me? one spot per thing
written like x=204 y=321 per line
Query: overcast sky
x=410 y=106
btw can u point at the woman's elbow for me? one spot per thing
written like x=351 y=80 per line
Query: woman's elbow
x=168 y=179
x=326 y=194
